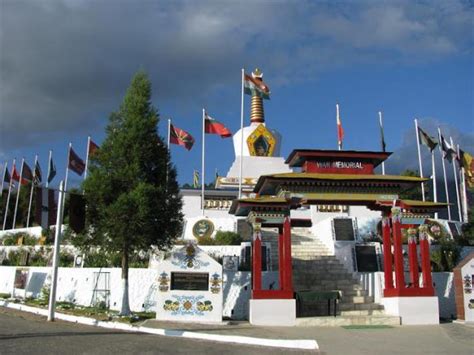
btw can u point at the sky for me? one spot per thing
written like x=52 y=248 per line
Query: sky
x=65 y=65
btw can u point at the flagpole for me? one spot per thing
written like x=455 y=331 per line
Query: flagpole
x=8 y=197
x=464 y=196
x=31 y=193
x=338 y=122
x=49 y=167
x=241 y=135
x=444 y=173
x=419 y=158
x=435 y=189
x=56 y=250
x=203 y=174
x=382 y=140
x=458 y=200
x=18 y=193
x=169 y=133
x=3 y=177
x=87 y=156
x=67 y=167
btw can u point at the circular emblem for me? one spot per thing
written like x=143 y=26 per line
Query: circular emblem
x=203 y=228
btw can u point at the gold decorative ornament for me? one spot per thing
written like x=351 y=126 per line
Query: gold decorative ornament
x=261 y=142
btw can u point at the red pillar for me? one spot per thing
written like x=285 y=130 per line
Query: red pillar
x=413 y=260
x=281 y=259
x=288 y=280
x=398 y=251
x=425 y=261
x=387 y=253
x=257 y=261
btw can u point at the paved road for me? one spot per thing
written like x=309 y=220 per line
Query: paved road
x=25 y=333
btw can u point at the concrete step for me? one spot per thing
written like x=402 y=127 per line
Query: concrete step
x=359 y=306
x=365 y=312
x=347 y=320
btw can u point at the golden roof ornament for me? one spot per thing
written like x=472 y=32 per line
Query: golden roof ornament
x=256 y=106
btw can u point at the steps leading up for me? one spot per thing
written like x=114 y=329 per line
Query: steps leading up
x=345 y=320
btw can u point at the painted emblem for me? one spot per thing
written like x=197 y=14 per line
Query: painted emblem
x=170 y=305
x=467 y=284
x=163 y=281
x=205 y=306
x=216 y=282
x=261 y=142
x=188 y=305
x=189 y=260
x=203 y=228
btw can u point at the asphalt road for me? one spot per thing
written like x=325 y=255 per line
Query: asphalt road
x=25 y=333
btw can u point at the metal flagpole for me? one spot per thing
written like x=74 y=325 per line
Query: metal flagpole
x=31 y=192
x=464 y=196
x=382 y=139
x=458 y=200
x=169 y=133
x=87 y=156
x=57 y=239
x=8 y=197
x=3 y=177
x=49 y=167
x=435 y=189
x=444 y=173
x=241 y=136
x=18 y=193
x=67 y=166
x=419 y=158
x=203 y=180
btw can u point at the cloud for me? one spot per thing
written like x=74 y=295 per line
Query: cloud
x=64 y=65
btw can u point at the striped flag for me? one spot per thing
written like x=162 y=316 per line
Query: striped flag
x=76 y=164
x=38 y=176
x=196 y=179
x=254 y=85
x=181 y=137
x=213 y=126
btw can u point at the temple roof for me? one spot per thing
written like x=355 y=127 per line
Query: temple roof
x=298 y=156
x=266 y=184
x=377 y=202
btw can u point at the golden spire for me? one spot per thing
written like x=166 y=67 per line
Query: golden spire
x=256 y=106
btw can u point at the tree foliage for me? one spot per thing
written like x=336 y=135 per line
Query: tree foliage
x=413 y=193
x=131 y=192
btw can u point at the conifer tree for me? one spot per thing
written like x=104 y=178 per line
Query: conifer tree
x=131 y=192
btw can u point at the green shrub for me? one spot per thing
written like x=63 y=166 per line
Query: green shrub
x=9 y=240
x=66 y=259
x=227 y=238
x=206 y=240
x=5 y=295
x=446 y=257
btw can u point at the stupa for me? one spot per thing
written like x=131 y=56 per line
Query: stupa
x=260 y=152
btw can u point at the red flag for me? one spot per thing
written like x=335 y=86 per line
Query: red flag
x=181 y=137
x=16 y=176
x=213 y=126
x=76 y=164
x=92 y=147
x=340 y=130
x=27 y=173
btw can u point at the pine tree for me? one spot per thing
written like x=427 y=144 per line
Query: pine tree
x=131 y=192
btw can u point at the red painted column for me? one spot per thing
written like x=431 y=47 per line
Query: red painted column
x=425 y=260
x=397 y=246
x=281 y=259
x=387 y=253
x=257 y=260
x=287 y=255
x=413 y=260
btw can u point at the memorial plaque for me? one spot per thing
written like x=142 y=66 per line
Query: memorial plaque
x=454 y=229
x=190 y=281
x=344 y=229
x=21 y=277
x=366 y=256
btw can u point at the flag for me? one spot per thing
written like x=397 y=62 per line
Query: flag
x=46 y=209
x=448 y=151
x=92 y=148
x=7 y=176
x=467 y=162
x=340 y=130
x=27 y=173
x=181 y=137
x=76 y=164
x=51 y=169
x=213 y=126
x=77 y=212
x=38 y=175
x=196 y=179
x=256 y=86
x=16 y=176
x=426 y=139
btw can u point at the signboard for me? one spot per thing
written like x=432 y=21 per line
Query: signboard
x=366 y=256
x=230 y=263
x=343 y=229
x=21 y=277
x=196 y=281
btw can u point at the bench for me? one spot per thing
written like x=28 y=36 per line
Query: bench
x=312 y=296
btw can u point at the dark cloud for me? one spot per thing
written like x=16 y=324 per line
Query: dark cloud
x=65 y=65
